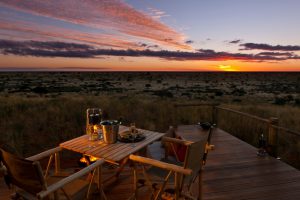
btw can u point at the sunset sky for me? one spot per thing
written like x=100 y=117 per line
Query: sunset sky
x=150 y=35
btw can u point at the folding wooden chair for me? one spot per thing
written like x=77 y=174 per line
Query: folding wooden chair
x=28 y=181
x=184 y=176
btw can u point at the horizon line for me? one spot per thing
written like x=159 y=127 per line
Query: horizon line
x=152 y=71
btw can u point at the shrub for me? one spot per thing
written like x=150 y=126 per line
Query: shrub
x=297 y=102
x=163 y=93
x=279 y=101
x=289 y=98
x=239 y=92
x=148 y=85
x=219 y=93
x=40 y=90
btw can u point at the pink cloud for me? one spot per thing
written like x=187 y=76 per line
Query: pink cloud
x=105 y=14
x=35 y=31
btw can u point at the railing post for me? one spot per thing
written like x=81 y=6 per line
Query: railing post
x=273 y=137
x=215 y=115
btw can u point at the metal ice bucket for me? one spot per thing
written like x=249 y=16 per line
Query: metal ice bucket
x=110 y=132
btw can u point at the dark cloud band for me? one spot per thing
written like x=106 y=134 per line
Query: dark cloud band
x=62 y=49
x=235 y=41
x=268 y=47
x=189 y=42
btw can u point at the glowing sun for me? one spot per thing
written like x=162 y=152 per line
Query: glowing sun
x=227 y=68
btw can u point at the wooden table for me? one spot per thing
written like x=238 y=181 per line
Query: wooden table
x=113 y=153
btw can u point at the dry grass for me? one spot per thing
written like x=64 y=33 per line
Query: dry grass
x=30 y=125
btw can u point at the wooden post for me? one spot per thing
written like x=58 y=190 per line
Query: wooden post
x=99 y=182
x=200 y=186
x=215 y=115
x=57 y=163
x=135 y=181
x=176 y=186
x=273 y=137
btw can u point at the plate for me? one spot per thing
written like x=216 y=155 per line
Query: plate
x=127 y=132
x=127 y=137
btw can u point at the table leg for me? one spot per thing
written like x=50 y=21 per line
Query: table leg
x=142 y=152
x=121 y=168
x=116 y=175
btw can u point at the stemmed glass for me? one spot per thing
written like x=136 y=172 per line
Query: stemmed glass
x=93 y=125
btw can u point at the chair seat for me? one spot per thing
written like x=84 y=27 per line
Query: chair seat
x=157 y=177
x=157 y=152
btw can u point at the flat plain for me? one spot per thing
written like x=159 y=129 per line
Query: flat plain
x=279 y=88
x=38 y=110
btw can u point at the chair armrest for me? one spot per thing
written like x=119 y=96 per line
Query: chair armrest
x=44 y=154
x=54 y=187
x=160 y=164
x=175 y=140
x=210 y=147
x=3 y=169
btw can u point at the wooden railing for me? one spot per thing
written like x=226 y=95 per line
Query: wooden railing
x=249 y=127
x=211 y=107
x=241 y=113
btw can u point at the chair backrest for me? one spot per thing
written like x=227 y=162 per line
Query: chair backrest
x=23 y=173
x=194 y=159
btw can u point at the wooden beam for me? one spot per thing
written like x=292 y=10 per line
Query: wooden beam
x=244 y=114
x=44 y=154
x=54 y=187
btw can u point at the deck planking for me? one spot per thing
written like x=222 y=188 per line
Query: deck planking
x=233 y=171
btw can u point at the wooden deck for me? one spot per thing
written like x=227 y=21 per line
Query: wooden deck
x=233 y=171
